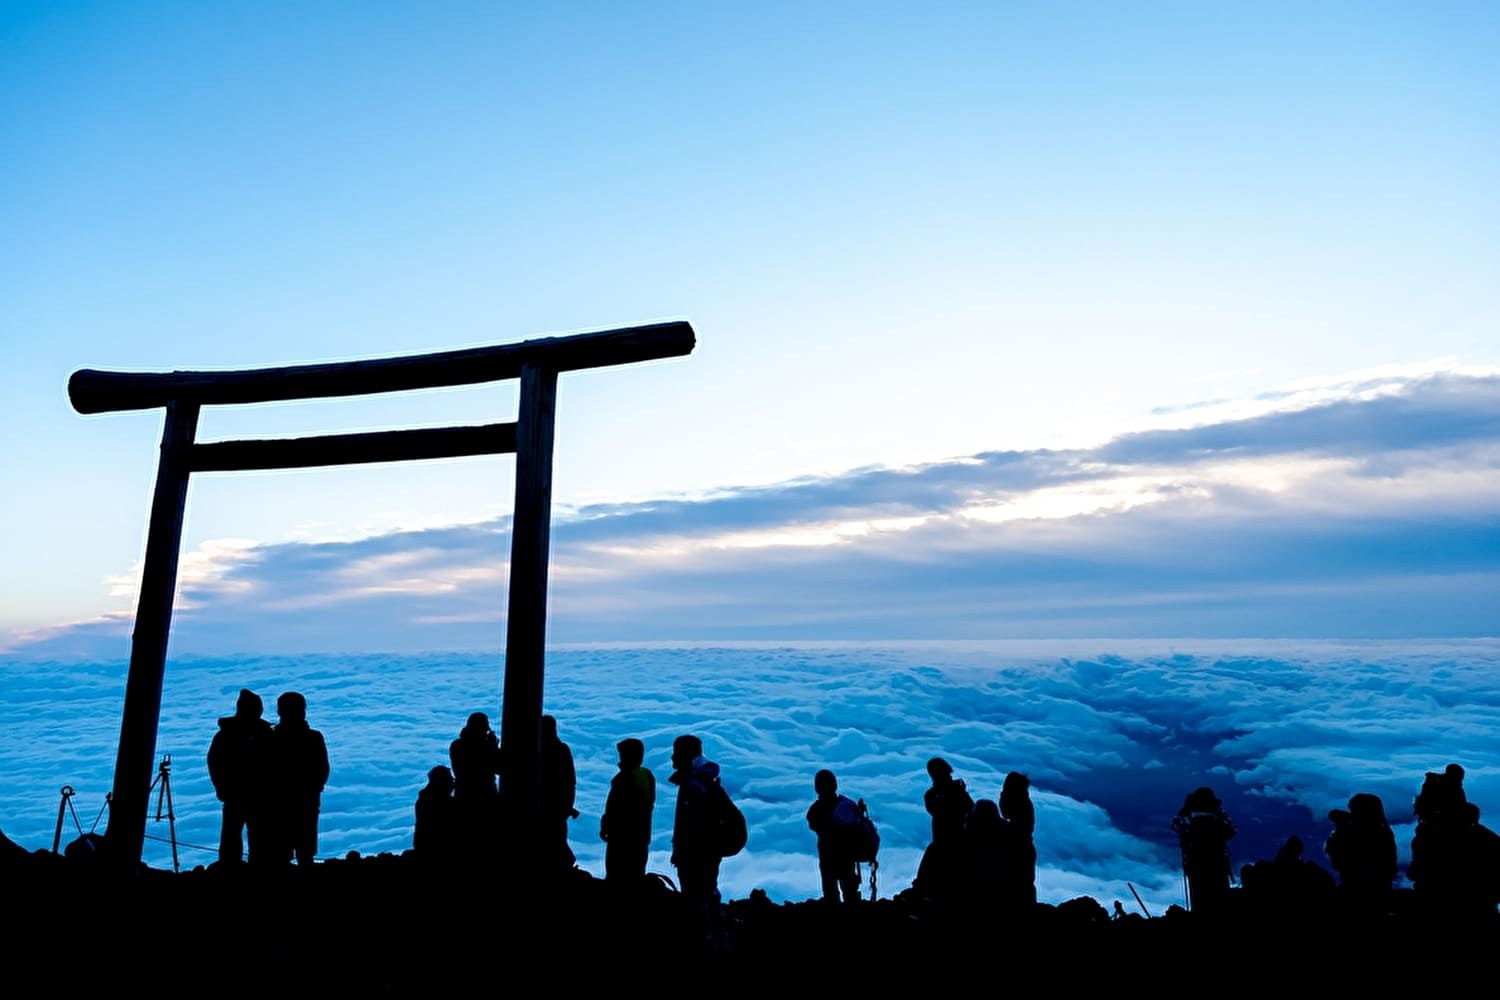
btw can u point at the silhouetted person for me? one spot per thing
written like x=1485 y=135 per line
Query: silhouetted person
x=1018 y=883
x=986 y=856
x=949 y=804
x=559 y=789
x=437 y=825
x=1362 y=849
x=1288 y=882
x=625 y=826
x=237 y=764
x=695 y=848
x=475 y=756
x=1204 y=832
x=835 y=819
x=1442 y=795
x=1455 y=860
x=299 y=772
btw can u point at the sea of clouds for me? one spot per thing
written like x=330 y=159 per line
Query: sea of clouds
x=1112 y=734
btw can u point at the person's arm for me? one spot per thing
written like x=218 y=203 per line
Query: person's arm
x=323 y=769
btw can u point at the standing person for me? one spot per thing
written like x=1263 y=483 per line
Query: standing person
x=559 y=790
x=475 y=756
x=433 y=836
x=1362 y=849
x=836 y=820
x=695 y=850
x=237 y=768
x=625 y=826
x=1018 y=881
x=299 y=760
x=941 y=870
x=948 y=802
x=1204 y=830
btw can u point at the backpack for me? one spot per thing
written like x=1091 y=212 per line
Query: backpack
x=729 y=830
x=856 y=830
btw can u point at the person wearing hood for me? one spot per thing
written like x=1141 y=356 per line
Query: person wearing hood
x=694 y=851
x=237 y=767
x=300 y=759
x=475 y=756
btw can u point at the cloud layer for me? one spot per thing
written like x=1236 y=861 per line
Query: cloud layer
x=1367 y=507
x=1112 y=736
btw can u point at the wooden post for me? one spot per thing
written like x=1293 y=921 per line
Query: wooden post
x=526 y=621
x=135 y=762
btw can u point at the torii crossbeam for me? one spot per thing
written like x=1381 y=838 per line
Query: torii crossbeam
x=535 y=362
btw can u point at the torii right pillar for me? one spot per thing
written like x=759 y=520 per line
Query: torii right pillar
x=526 y=619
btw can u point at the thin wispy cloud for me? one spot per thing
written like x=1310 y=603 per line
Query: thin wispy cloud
x=1370 y=512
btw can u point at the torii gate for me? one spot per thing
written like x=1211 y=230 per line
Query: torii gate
x=535 y=362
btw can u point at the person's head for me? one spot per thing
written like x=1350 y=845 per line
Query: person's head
x=248 y=705
x=1201 y=800
x=440 y=778
x=632 y=752
x=1016 y=784
x=291 y=707
x=549 y=727
x=939 y=769
x=478 y=724
x=824 y=783
x=685 y=749
x=1368 y=808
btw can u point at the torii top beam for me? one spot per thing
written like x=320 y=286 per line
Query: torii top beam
x=105 y=392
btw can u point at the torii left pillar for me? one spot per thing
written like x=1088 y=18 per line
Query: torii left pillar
x=136 y=758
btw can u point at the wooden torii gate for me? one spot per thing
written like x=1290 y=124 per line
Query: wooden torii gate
x=535 y=362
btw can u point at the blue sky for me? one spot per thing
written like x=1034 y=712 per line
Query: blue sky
x=1013 y=319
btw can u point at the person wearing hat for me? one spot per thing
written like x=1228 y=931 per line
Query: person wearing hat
x=237 y=767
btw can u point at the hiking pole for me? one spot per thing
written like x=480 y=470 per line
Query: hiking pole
x=108 y=798
x=1138 y=900
x=63 y=805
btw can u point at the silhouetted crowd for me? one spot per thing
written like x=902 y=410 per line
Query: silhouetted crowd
x=981 y=854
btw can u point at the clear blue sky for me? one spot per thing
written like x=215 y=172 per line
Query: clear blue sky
x=902 y=234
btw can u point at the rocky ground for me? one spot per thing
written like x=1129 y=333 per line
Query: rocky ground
x=389 y=924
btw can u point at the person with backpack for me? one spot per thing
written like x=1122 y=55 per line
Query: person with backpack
x=698 y=824
x=1204 y=831
x=694 y=851
x=845 y=838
